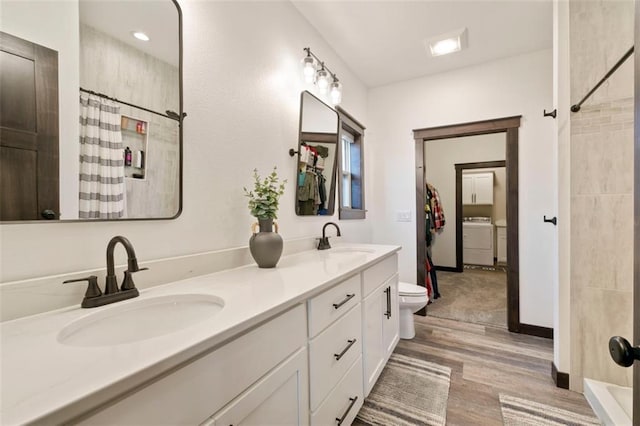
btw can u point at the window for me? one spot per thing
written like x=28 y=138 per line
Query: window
x=351 y=168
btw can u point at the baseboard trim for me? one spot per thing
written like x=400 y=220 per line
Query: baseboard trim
x=536 y=330
x=560 y=379
x=447 y=268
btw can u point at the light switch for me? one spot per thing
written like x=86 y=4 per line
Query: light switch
x=403 y=216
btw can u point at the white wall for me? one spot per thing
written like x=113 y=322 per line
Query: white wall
x=242 y=84
x=54 y=24
x=441 y=156
x=520 y=85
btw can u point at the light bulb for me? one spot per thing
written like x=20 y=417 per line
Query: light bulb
x=335 y=92
x=322 y=80
x=308 y=68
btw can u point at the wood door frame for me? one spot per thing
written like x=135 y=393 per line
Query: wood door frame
x=460 y=167
x=510 y=126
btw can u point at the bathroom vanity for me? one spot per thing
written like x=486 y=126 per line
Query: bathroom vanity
x=299 y=344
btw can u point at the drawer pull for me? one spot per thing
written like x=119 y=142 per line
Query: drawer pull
x=346 y=299
x=344 y=351
x=341 y=419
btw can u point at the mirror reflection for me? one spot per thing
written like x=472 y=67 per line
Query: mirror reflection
x=317 y=155
x=103 y=139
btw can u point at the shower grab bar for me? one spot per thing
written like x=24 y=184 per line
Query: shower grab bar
x=576 y=107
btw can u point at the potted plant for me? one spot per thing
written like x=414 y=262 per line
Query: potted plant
x=266 y=245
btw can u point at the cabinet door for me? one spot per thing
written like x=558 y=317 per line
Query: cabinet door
x=483 y=187
x=467 y=189
x=372 y=346
x=390 y=323
x=280 y=398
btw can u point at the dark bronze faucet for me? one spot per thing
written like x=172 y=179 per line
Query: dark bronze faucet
x=94 y=297
x=323 y=244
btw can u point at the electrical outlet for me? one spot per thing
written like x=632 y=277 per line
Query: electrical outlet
x=403 y=216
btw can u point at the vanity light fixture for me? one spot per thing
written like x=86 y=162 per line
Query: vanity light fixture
x=450 y=42
x=140 y=35
x=315 y=71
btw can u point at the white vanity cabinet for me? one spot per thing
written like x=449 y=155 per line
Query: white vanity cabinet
x=229 y=379
x=380 y=332
x=313 y=364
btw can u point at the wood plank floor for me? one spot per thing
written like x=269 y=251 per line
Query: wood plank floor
x=485 y=362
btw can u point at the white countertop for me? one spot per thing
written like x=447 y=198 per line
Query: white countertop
x=46 y=381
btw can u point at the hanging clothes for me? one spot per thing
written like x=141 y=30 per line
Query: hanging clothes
x=306 y=194
x=434 y=222
x=102 y=190
x=431 y=270
x=436 y=208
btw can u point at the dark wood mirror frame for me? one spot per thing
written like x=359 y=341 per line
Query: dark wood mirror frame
x=179 y=118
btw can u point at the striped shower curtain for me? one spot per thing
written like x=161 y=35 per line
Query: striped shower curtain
x=102 y=189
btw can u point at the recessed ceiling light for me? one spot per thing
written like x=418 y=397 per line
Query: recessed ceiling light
x=453 y=41
x=140 y=35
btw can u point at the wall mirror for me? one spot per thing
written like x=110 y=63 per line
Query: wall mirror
x=90 y=110
x=317 y=157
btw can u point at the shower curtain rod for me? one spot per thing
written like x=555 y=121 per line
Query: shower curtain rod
x=170 y=114
x=576 y=107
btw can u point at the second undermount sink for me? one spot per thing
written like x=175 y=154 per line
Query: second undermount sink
x=140 y=319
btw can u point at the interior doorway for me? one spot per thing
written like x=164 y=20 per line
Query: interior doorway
x=475 y=290
x=509 y=126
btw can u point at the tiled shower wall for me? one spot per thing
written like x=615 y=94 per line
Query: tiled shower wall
x=601 y=189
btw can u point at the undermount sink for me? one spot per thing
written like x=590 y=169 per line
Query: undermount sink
x=140 y=319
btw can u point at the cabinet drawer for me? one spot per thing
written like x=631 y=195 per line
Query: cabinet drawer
x=344 y=339
x=378 y=274
x=340 y=403
x=332 y=304
x=199 y=389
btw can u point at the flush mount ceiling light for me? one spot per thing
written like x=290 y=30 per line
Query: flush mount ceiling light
x=450 y=42
x=322 y=77
x=140 y=35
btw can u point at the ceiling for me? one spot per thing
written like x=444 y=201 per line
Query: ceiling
x=382 y=42
x=118 y=18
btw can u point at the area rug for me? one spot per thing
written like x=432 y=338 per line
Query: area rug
x=522 y=412
x=409 y=392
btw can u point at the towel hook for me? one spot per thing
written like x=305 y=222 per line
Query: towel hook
x=553 y=220
x=550 y=113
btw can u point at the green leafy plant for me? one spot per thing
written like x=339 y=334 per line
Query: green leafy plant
x=263 y=200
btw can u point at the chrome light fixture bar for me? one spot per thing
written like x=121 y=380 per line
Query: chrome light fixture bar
x=315 y=71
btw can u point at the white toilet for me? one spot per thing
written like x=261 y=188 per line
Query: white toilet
x=412 y=299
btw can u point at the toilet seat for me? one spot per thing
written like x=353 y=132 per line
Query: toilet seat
x=411 y=290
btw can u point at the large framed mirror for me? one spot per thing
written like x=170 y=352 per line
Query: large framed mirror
x=317 y=157
x=90 y=110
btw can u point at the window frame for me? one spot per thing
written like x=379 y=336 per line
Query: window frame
x=348 y=124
